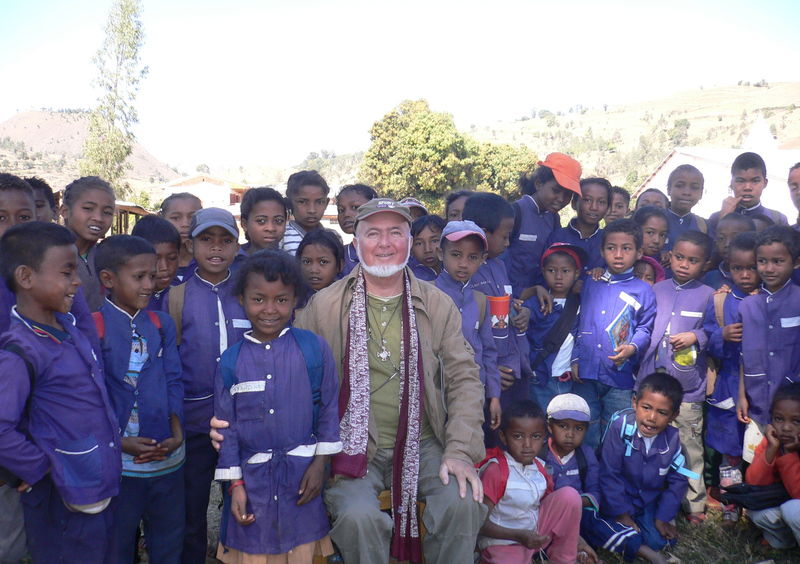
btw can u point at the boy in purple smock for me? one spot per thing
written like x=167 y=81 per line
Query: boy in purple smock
x=584 y=230
x=724 y=432
x=684 y=188
x=748 y=181
x=19 y=200
x=462 y=251
x=58 y=433
x=551 y=355
x=728 y=227
x=167 y=242
x=496 y=217
x=282 y=430
x=143 y=376
x=678 y=348
x=212 y=319
x=612 y=339
x=770 y=325
x=642 y=465
x=545 y=192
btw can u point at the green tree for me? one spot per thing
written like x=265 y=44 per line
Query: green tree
x=203 y=168
x=120 y=71
x=416 y=151
x=497 y=168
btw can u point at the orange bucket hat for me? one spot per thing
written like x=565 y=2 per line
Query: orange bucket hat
x=566 y=170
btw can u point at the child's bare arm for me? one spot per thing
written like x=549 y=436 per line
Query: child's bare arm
x=314 y=477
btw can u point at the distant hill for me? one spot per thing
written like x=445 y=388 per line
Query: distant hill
x=625 y=143
x=50 y=143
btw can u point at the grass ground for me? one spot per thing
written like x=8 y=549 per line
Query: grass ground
x=710 y=543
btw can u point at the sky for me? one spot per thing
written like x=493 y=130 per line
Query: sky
x=265 y=82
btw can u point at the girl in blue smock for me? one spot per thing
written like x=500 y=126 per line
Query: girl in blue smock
x=273 y=456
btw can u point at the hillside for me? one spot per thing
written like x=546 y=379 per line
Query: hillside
x=49 y=144
x=625 y=143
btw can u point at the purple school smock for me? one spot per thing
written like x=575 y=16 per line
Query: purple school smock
x=630 y=483
x=718 y=277
x=770 y=345
x=421 y=271
x=159 y=387
x=682 y=307
x=202 y=343
x=677 y=225
x=567 y=474
x=538 y=328
x=592 y=244
x=478 y=335
x=601 y=301
x=525 y=251
x=350 y=260
x=724 y=432
x=492 y=280
x=774 y=215
x=70 y=431
x=270 y=412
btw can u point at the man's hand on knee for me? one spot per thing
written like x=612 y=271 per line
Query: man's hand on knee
x=464 y=473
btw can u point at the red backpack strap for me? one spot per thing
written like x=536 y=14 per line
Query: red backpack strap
x=154 y=318
x=99 y=324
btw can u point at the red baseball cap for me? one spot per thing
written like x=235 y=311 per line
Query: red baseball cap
x=566 y=170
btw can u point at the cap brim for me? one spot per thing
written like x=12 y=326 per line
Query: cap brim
x=569 y=414
x=405 y=214
x=203 y=226
x=458 y=235
x=567 y=182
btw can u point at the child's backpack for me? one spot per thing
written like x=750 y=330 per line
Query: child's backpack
x=309 y=346
x=100 y=324
x=496 y=455
x=755 y=498
x=712 y=369
x=627 y=432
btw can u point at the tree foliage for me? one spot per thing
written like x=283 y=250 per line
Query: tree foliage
x=418 y=152
x=120 y=72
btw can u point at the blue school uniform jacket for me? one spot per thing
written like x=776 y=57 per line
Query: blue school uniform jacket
x=512 y=346
x=632 y=478
x=679 y=224
x=80 y=311
x=69 y=428
x=478 y=334
x=350 y=260
x=211 y=321
x=159 y=388
x=770 y=345
x=270 y=442
x=538 y=328
x=679 y=308
x=718 y=277
x=524 y=255
x=565 y=472
x=602 y=301
x=726 y=353
x=421 y=271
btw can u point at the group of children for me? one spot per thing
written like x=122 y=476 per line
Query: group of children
x=641 y=352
